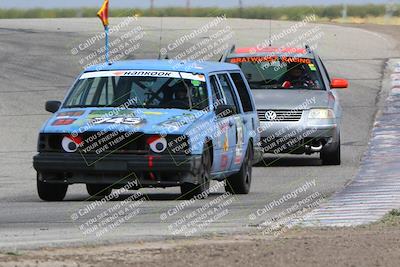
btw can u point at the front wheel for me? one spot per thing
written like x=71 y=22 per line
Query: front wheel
x=330 y=155
x=240 y=182
x=189 y=190
x=50 y=192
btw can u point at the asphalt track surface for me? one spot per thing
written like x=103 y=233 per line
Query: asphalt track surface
x=37 y=65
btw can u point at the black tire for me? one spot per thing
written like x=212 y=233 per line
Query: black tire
x=330 y=155
x=240 y=183
x=189 y=190
x=98 y=190
x=50 y=192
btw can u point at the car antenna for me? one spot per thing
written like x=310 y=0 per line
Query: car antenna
x=309 y=50
x=228 y=51
x=270 y=31
x=161 y=35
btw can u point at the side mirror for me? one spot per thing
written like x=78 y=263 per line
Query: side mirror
x=224 y=111
x=339 y=83
x=53 y=106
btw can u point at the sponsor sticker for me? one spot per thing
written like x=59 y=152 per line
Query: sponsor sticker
x=254 y=59
x=63 y=121
x=226 y=143
x=240 y=141
x=312 y=67
x=196 y=83
x=395 y=83
x=68 y=114
x=195 y=77
x=155 y=113
x=110 y=113
x=271 y=59
x=395 y=76
x=224 y=161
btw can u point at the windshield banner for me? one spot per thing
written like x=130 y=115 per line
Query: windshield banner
x=143 y=73
x=270 y=59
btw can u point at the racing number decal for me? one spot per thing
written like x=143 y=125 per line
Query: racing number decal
x=118 y=120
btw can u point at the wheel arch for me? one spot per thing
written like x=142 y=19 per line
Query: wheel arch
x=208 y=141
x=251 y=143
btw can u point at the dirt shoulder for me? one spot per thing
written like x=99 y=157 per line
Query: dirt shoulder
x=372 y=245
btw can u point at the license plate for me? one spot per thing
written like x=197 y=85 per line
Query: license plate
x=111 y=166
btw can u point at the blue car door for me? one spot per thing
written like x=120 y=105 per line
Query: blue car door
x=237 y=128
x=224 y=133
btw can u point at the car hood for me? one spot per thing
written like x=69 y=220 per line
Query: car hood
x=291 y=99
x=147 y=121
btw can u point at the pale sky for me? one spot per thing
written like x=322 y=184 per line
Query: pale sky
x=146 y=3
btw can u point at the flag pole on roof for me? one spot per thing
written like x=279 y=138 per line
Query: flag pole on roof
x=103 y=15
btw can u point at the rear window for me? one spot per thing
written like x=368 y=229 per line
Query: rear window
x=243 y=92
x=275 y=72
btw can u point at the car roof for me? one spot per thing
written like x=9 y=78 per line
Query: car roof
x=166 y=65
x=272 y=51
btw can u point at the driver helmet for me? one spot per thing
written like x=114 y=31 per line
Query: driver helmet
x=180 y=92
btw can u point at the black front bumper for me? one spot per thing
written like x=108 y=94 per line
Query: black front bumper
x=148 y=170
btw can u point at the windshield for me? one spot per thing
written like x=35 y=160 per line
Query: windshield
x=144 y=89
x=273 y=72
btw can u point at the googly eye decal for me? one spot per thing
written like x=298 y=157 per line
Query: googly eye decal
x=69 y=144
x=157 y=145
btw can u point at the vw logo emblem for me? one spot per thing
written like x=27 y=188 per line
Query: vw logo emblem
x=270 y=115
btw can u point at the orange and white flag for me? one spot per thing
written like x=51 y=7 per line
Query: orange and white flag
x=103 y=13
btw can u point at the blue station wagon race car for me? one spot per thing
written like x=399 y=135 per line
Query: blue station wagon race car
x=150 y=123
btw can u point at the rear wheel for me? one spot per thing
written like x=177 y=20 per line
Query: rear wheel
x=98 y=190
x=330 y=155
x=189 y=190
x=240 y=182
x=50 y=192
